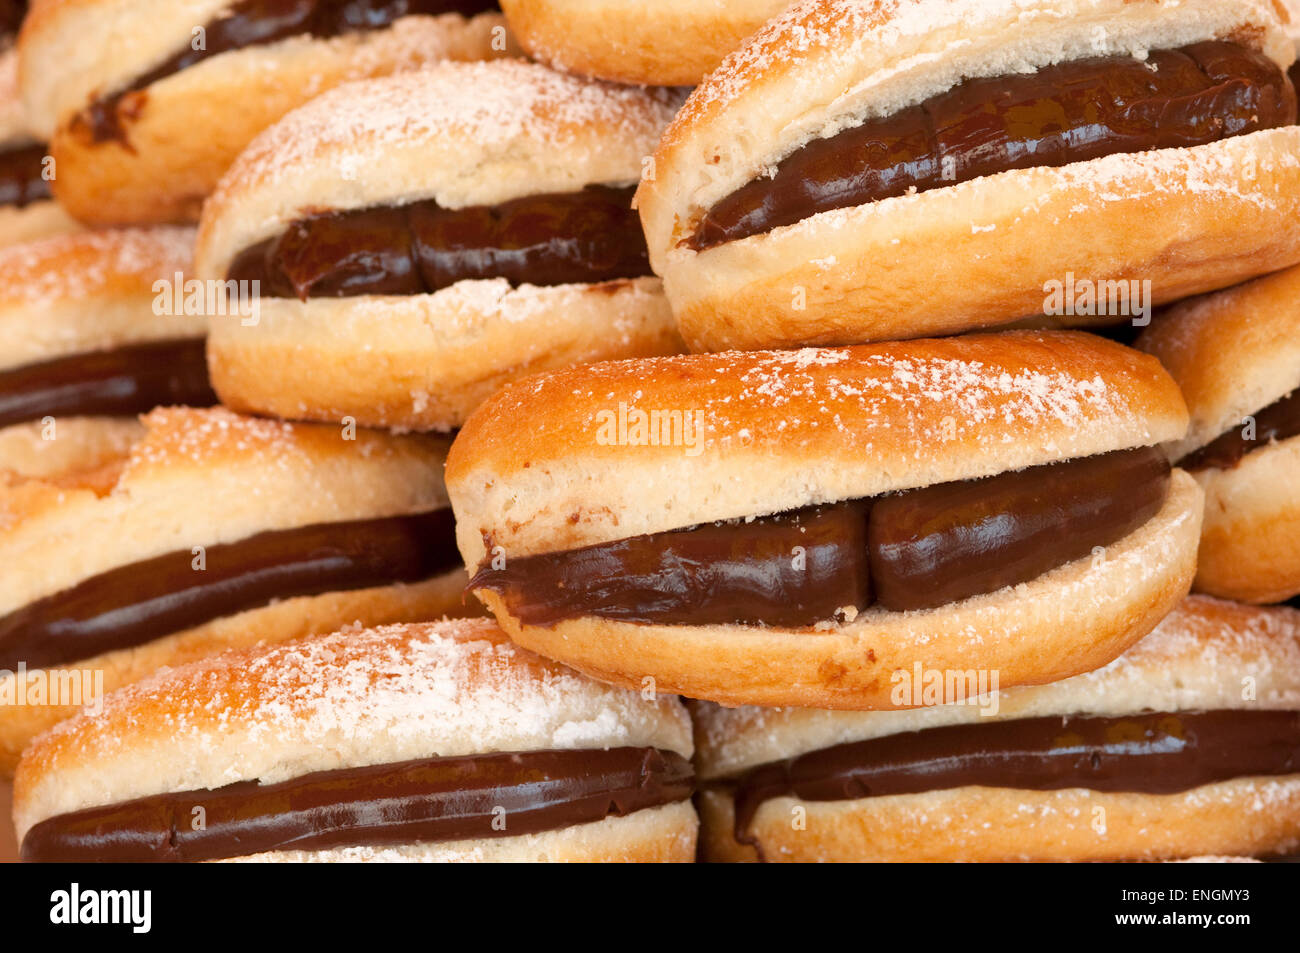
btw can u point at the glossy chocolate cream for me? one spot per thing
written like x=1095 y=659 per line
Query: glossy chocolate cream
x=433 y=800
x=584 y=237
x=1070 y=112
x=1278 y=421
x=1150 y=753
x=143 y=601
x=124 y=381
x=257 y=23
x=22 y=178
x=911 y=550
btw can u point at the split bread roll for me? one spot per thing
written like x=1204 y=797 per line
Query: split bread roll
x=790 y=528
x=419 y=240
x=142 y=128
x=211 y=530
x=849 y=175
x=1236 y=356
x=400 y=744
x=1238 y=663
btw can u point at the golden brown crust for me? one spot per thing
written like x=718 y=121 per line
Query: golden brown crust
x=669 y=43
x=353 y=698
x=425 y=362
x=1247 y=816
x=165 y=171
x=283 y=621
x=780 y=430
x=1071 y=620
x=1232 y=353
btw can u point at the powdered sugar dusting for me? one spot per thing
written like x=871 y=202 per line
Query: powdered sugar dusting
x=450 y=688
x=494 y=105
x=83 y=264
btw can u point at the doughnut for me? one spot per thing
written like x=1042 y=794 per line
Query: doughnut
x=1236 y=357
x=1184 y=747
x=790 y=528
x=866 y=170
x=406 y=743
x=420 y=239
x=142 y=128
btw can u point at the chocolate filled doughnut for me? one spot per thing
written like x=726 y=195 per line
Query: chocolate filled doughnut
x=435 y=742
x=87 y=348
x=785 y=528
x=207 y=531
x=1236 y=358
x=1159 y=755
x=144 y=135
x=486 y=232
x=669 y=43
x=867 y=170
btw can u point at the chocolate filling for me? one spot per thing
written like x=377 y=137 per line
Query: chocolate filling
x=1157 y=753
x=1066 y=113
x=22 y=179
x=256 y=23
x=912 y=550
x=582 y=237
x=432 y=800
x=1278 y=421
x=124 y=381
x=11 y=18
x=143 y=601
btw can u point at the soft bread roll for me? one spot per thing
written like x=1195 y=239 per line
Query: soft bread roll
x=352 y=699
x=1211 y=215
x=779 y=431
x=38 y=219
x=1207 y=655
x=670 y=43
x=1233 y=353
x=168 y=169
x=461 y=134
x=185 y=482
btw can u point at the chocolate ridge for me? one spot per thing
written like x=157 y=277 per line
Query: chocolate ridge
x=258 y=23
x=915 y=549
x=587 y=237
x=144 y=601
x=1149 y=753
x=124 y=381
x=1070 y=112
x=1280 y=420
x=427 y=800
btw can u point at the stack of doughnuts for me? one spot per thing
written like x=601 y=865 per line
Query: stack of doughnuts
x=591 y=430
x=142 y=128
